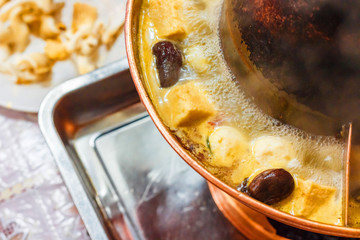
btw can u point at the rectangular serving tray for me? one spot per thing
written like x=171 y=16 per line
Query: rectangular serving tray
x=125 y=180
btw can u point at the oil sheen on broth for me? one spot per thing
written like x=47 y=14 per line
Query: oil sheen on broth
x=222 y=128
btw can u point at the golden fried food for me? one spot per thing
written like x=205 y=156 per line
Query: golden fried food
x=33 y=67
x=40 y=18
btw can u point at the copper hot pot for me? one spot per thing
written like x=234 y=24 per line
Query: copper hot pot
x=131 y=35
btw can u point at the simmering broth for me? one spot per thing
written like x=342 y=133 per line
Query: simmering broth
x=214 y=119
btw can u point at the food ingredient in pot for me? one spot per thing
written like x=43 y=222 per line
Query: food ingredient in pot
x=213 y=118
x=312 y=201
x=271 y=186
x=227 y=144
x=168 y=63
x=174 y=25
x=276 y=151
x=192 y=105
x=243 y=186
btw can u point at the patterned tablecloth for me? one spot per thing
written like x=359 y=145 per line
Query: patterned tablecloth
x=34 y=202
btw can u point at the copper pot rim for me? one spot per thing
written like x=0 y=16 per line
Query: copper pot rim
x=286 y=218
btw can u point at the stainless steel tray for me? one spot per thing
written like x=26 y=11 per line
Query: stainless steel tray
x=125 y=180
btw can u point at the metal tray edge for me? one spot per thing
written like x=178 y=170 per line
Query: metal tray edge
x=46 y=113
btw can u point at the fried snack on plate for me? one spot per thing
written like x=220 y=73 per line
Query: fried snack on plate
x=4 y=52
x=85 y=27
x=30 y=10
x=21 y=7
x=14 y=31
x=84 y=38
x=5 y=33
x=4 y=55
x=19 y=19
x=45 y=6
x=84 y=17
x=84 y=64
x=87 y=34
x=16 y=18
x=3 y=2
x=111 y=32
x=56 y=50
x=49 y=28
x=90 y=43
x=32 y=17
x=34 y=67
x=49 y=6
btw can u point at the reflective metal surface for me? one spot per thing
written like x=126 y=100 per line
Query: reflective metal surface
x=125 y=180
x=66 y=109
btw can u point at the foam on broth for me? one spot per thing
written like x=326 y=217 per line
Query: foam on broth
x=319 y=158
x=239 y=111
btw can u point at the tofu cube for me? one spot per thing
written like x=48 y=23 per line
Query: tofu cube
x=308 y=198
x=311 y=196
x=188 y=105
x=168 y=18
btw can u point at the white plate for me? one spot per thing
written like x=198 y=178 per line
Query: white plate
x=28 y=98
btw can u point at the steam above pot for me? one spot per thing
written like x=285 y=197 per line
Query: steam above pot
x=308 y=51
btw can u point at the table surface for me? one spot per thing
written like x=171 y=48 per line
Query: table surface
x=34 y=202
